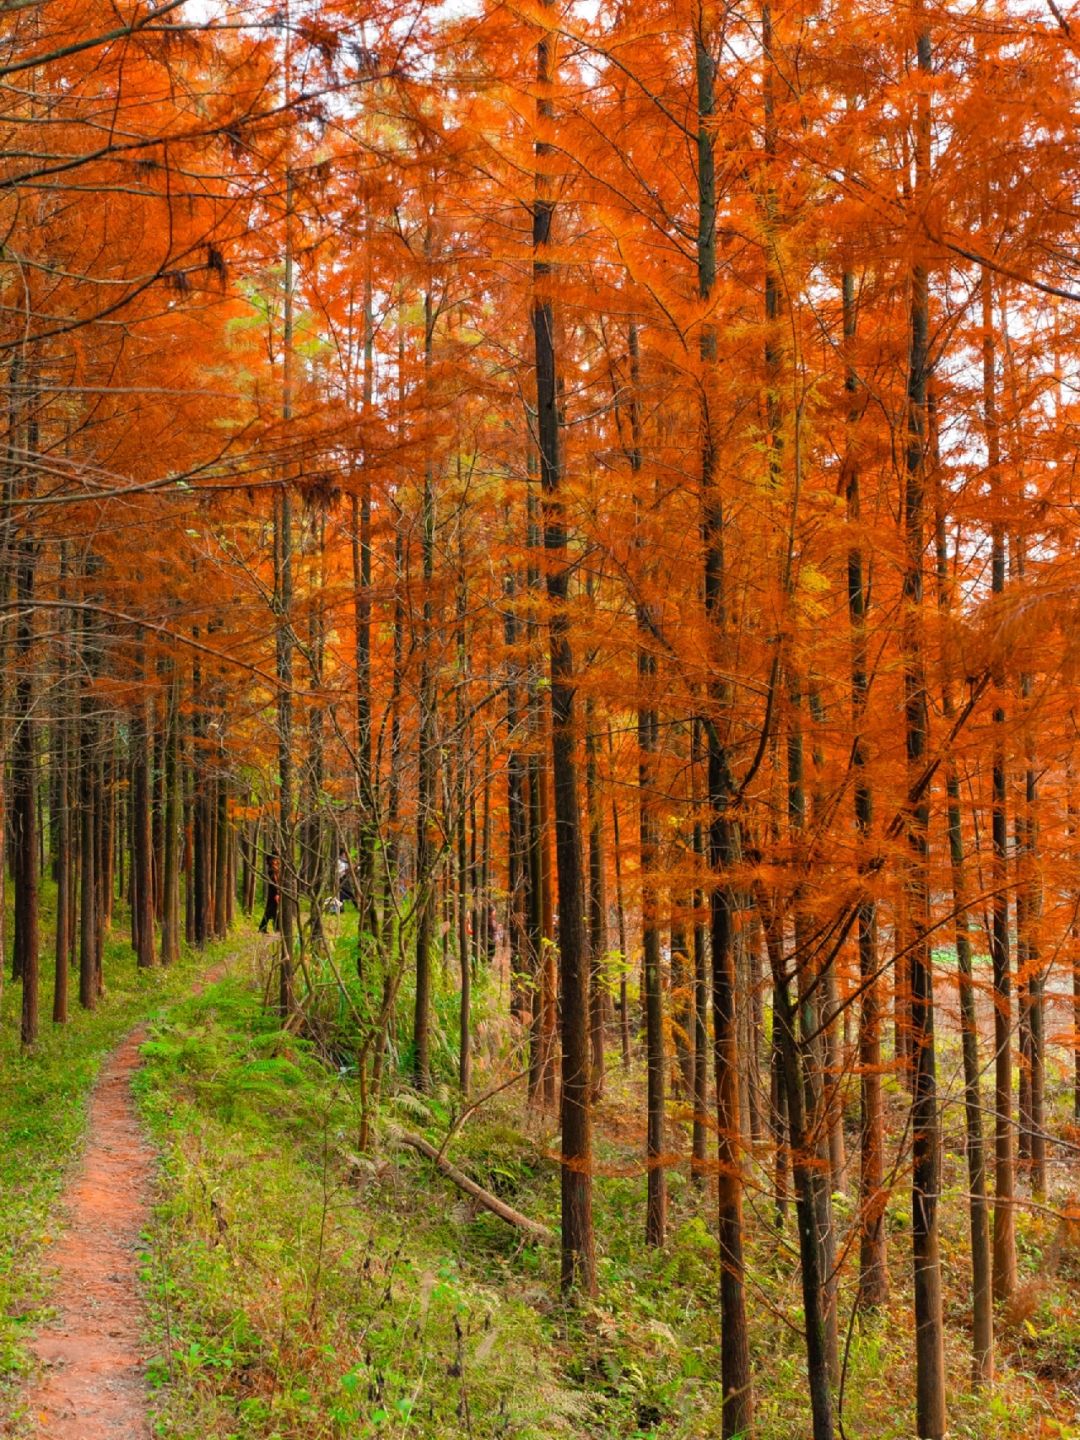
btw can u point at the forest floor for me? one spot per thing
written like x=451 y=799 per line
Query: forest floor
x=77 y=1184
x=277 y=1284
x=90 y=1376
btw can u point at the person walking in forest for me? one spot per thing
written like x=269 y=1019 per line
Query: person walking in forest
x=346 y=894
x=271 y=914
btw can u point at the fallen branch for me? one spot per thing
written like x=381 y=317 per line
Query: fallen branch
x=491 y=1202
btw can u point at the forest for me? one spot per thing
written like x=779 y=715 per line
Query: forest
x=540 y=719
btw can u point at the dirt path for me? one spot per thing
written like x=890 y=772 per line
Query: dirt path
x=91 y=1384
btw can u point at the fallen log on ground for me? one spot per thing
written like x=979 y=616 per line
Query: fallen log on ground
x=491 y=1202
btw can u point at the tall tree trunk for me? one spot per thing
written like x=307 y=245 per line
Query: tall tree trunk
x=648 y=733
x=656 y=1210
x=188 y=780
x=106 y=843
x=620 y=918
x=873 y=1271
x=393 y=788
x=811 y=1038
x=427 y=764
x=142 y=850
x=461 y=806
x=88 y=743
x=361 y=562
x=170 y=910
x=549 y=979
x=24 y=796
x=62 y=741
x=578 y=1253
x=516 y=858
x=1030 y=971
x=312 y=837
x=536 y=848
x=701 y=977
x=157 y=816
x=1074 y=946
x=598 y=939
x=202 y=818
x=925 y=1118
x=1004 y=1171
x=681 y=1007
x=283 y=607
x=221 y=861
x=978 y=1206
x=738 y=1411
x=808 y=1179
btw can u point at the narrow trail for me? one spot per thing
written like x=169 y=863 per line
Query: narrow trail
x=90 y=1384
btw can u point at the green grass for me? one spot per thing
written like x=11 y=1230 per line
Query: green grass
x=298 y=1291
x=302 y=1289
x=299 y=1288
x=43 y=1096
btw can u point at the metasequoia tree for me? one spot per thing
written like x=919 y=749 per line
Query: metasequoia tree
x=508 y=451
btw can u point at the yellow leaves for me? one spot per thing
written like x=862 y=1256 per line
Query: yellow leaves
x=811 y=597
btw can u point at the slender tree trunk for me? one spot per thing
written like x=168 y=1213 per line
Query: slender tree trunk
x=88 y=741
x=170 y=910
x=648 y=733
x=160 y=742
x=808 y=1180
x=975 y=1149
x=598 y=941
x=462 y=800
x=534 y=914
x=24 y=798
x=517 y=844
x=202 y=821
x=578 y=1254
x=142 y=895
x=681 y=1006
x=393 y=796
x=811 y=1037
x=701 y=980
x=464 y=949
x=620 y=917
x=283 y=607
x=105 y=842
x=1074 y=945
x=188 y=774
x=361 y=559
x=63 y=848
x=313 y=857
x=1004 y=1171
x=549 y=983
x=1029 y=966
x=738 y=1412
x=221 y=861
x=925 y=1119
x=832 y=1059
x=873 y=1271
x=427 y=763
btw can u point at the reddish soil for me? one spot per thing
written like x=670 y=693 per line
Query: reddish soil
x=91 y=1384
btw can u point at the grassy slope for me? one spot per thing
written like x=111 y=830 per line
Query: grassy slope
x=313 y=1292
x=43 y=1118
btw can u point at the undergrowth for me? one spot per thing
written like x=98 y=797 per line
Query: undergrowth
x=303 y=1289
